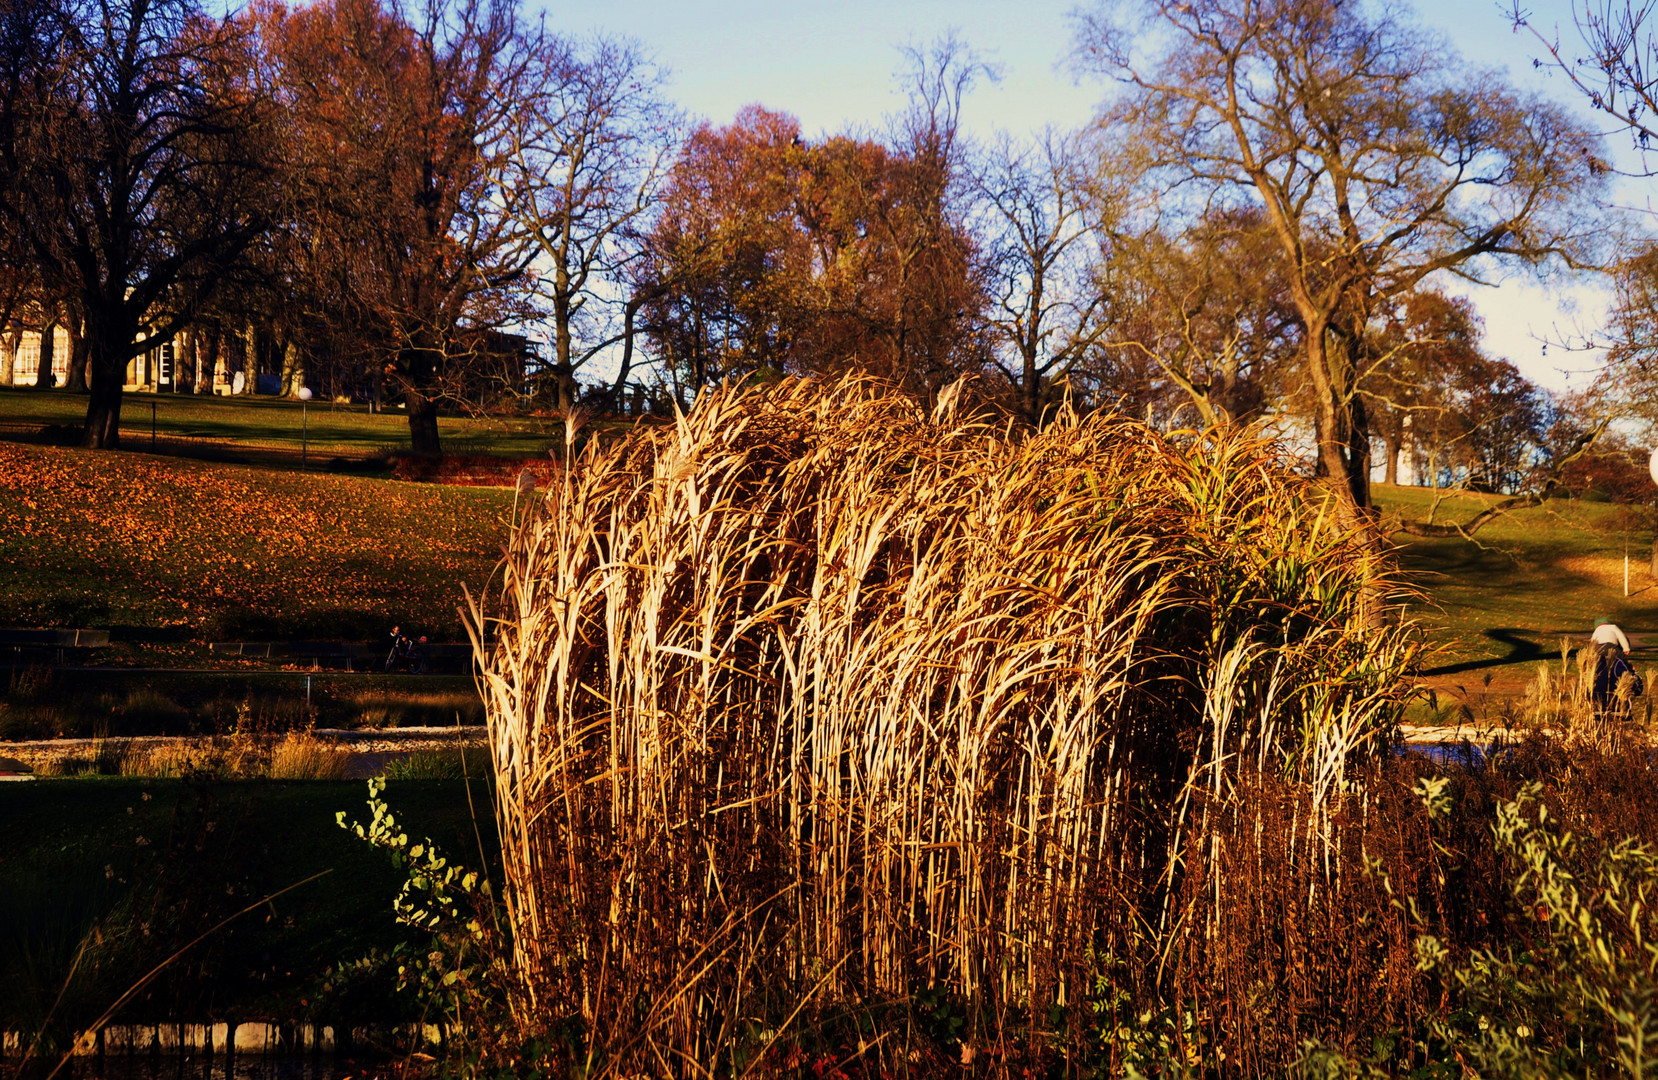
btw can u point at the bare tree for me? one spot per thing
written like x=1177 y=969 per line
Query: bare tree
x=1041 y=254
x=1619 y=74
x=130 y=146
x=589 y=157
x=1428 y=345
x=1377 y=160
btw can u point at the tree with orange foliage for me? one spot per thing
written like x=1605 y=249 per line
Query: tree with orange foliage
x=773 y=255
x=401 y=121
x=730 y=264
x=907 y=263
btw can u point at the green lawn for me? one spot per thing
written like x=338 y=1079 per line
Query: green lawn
x=1534 y=576
x=328 y=428
x=130 y=869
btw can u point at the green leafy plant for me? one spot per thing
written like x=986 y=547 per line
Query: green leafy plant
x=1163 y=1040
x=453 y=969
x=1582 y=999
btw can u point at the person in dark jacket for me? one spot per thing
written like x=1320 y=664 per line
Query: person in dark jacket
x=1611 y=665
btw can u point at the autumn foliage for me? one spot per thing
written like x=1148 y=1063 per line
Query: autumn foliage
x=775 y=255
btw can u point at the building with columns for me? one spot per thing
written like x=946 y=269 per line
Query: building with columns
x=20 y=357
x=155 y=370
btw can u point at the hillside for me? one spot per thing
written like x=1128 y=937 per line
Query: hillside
x=222 y=551
x=1531 y=578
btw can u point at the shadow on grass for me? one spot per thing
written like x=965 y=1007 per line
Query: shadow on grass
x=122 y=871
x=1520 y=651
x=1494 y=609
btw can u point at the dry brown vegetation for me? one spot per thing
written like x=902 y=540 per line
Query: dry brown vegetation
x=818 y=702
x=295 y=755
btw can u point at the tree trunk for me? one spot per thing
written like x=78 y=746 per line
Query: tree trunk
x=1358 y=452
x=214 y=358
x=564 y=387
x=419 y=366
x=293 y=368
x=1033 y=385
x=189 y=359
x=1328 y=425
x=8 y=357
x=107 y=366
x=250 y=358
x=75 y=378
x=629 y=314
x=423 y=423
x=44 y=379
x=1332 y=462
x=1391 y=475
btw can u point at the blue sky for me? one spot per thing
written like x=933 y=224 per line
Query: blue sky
x=831 y=64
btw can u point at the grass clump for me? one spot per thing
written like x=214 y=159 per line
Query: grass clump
x=1578 y=1000
x=456 y=764
x=294 y=755
x=818 y=704
x=299 y=756
x=106 y=757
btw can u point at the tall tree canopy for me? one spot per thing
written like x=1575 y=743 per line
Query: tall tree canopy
x=775 y=255
x=1377 y=159
x=403 y=120
x=136 y=169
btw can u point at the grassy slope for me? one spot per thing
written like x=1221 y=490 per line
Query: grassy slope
x=1536 y=574
x=267 y=421
x=224 y=551
x=136 y=868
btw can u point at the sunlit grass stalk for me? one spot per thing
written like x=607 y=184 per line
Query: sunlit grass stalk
x=875 y=698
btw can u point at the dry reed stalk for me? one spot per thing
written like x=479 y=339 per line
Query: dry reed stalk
x=302 y=756
x=876 y=698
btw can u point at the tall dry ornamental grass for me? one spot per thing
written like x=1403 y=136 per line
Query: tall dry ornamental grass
x=814 y=696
